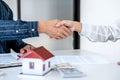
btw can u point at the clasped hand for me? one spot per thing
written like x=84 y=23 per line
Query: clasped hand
x=56 y=29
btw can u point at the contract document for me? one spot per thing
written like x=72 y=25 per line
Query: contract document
x=80 y=59
x=9 y=60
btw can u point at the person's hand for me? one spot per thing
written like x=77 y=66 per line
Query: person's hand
x=26 y=48
x=72 y=25
x=49 y=28
x=118 y=63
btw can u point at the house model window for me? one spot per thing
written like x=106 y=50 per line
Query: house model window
x=31 y=65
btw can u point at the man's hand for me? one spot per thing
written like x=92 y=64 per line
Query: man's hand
x=26 y=48
x=72 y=25
x=49 y=28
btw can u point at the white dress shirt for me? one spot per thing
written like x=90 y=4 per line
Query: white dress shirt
x=101 y=33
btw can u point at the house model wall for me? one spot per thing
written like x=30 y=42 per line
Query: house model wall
x=37 y=61
x=35 y=66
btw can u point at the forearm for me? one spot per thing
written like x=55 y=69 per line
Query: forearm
x=16 y=45
x=101 y=33
x=12 y=30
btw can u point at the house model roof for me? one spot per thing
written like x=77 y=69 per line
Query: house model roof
x=40 y=53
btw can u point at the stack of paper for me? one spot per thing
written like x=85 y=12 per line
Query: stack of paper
x=9 y=60
x=68 y=71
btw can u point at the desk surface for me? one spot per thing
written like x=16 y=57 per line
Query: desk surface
x=93 y=71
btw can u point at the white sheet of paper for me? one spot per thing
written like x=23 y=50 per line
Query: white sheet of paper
x=80 y=59
x=9 y=59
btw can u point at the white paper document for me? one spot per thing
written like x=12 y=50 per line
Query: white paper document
x=80 y=59
x=10 y=59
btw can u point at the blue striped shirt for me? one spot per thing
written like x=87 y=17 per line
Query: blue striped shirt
x=12 y=32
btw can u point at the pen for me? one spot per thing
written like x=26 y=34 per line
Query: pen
x=18 y=55
x=24 y=55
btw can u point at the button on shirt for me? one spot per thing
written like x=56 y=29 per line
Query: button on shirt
x=12 y=30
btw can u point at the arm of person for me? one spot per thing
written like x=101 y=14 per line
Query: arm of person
x=99 y=33
x=16 y=45
x=12 y=30
x=20 y=46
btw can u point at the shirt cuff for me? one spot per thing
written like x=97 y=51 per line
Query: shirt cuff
x=85 y=29
x=33 y=29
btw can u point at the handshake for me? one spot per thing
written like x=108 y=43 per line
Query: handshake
x=55 y=29
x=59 y=29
